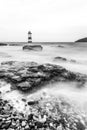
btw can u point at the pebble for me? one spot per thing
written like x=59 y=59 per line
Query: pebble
x=23 y=123
x=27 y=127
x=59 y=127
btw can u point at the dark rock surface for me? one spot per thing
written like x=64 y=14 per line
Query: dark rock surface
x=32 y=102
x=82 y=40
x=26 y=76
x=61 y=46
x=3 y=44
x=33 y=47
x=58 y=58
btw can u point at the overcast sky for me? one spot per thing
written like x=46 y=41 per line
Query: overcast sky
x=49 y=20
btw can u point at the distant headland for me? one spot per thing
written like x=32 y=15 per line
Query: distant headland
x=82 y=40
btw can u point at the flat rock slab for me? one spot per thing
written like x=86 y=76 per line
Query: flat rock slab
x=33 y=47
x=26 y=76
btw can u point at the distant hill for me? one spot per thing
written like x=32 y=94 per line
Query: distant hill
x=82 y=40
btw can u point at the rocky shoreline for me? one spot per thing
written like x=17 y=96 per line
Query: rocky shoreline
x=45 y=112
x=48 y=114
x=26 y=76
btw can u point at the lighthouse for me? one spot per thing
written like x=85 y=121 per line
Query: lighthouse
x=29 y=37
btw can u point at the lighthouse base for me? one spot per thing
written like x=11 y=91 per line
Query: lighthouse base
x=29 y=41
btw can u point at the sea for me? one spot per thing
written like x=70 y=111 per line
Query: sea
x=76 y=52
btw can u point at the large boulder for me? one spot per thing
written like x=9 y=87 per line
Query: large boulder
x=33 y=47
x=27 y=76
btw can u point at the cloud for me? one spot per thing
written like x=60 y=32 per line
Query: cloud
x=50 y=19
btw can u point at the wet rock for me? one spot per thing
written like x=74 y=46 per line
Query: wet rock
x=27 y=76
x=32 y=102
x=33 y=47
x=24 y=85
x=60 y=58
x=80 y=126
x=30 y=116
x=6 y=125
x=39 y=124
x=61 y=46
x=23 y=99
x=3 y=44
x=7 y=63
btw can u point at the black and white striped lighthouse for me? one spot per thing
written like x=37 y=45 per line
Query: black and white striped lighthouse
x=29 y=37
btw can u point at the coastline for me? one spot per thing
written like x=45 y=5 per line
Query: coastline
x=58 y=96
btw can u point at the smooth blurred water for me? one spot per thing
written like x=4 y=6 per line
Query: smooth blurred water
x=70 y=51
x=70 y=90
